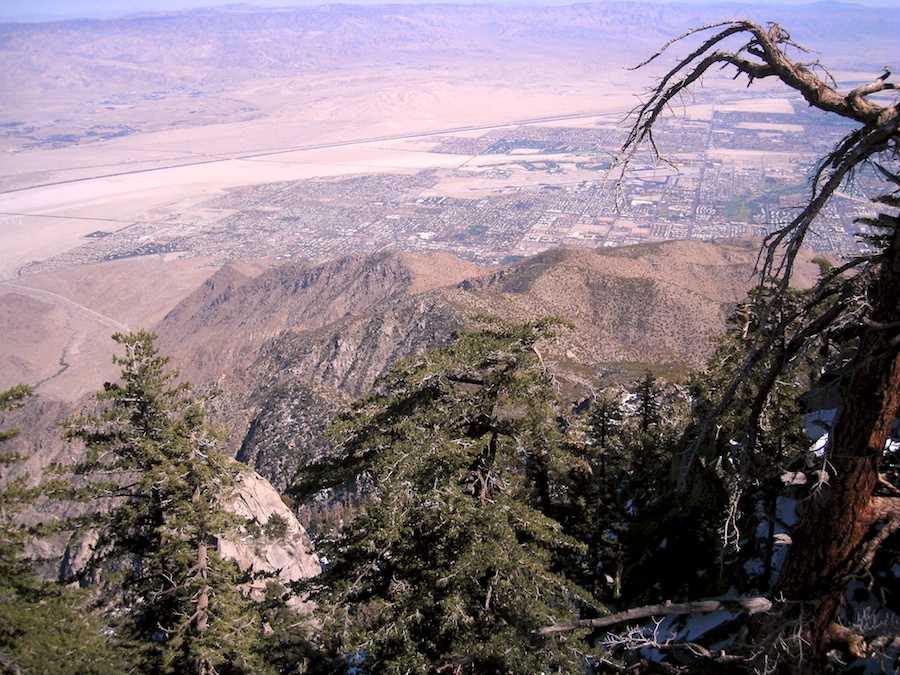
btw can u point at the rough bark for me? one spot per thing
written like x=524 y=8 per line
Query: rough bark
x=832 y=528
x=203 y=596
x=201 y=619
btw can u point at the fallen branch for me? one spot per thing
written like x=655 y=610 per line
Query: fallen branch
x=748 y=605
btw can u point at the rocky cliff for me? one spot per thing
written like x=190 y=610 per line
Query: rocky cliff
x=236 y=313
x=270 y=542
x=273 y=542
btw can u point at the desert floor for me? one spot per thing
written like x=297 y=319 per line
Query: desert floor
x=56 y=325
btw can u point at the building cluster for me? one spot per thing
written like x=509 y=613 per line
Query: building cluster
x=734 y=175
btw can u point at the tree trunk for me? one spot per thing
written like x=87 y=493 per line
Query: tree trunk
x=203 y=597
x=831 y=530
x=201 y=621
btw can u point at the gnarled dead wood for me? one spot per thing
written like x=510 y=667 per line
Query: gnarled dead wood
x=764 y=54
x=748 y=605
x=830 y=538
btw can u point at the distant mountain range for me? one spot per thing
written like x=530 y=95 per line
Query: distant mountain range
x=179 y=49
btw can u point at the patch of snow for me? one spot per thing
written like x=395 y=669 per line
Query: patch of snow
x=786 y=512
x=816 y=424
x=818 y=448
x=754 y=567
x=699 y=624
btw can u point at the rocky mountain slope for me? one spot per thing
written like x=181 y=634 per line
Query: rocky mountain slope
x=271 y=542
x=238 y=310
x=292 y=345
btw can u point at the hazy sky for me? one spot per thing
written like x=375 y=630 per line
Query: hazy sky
x=31 y=10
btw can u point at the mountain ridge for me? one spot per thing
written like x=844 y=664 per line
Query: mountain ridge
x=325 y=333
x=170 y=49
x=290 y=346
x=259 y=307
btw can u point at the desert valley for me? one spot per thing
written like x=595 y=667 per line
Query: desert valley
x=295 y=199
x=141 y=154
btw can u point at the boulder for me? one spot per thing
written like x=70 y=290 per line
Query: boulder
x=273 y=542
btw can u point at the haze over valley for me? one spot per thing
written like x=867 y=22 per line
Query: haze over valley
x=141 y=154
x=450 y=338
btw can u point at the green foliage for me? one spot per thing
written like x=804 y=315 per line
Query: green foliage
x=15 y=493
x=276 y=527
x=624 y=509
x=10 y=399
x=647 y=394
x=605 y=416
x=43 y=628
x=150 y=454
x=52 y=630
x=698 y=538
x=759 y=432
x=455 y=556
x=286 y=643
x=777 y=434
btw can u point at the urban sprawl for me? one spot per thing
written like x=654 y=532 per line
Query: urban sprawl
x=526 y=188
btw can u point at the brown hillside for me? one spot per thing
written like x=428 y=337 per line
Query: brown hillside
x=653 y=303
x=30 y=339
x=232 y=315
x=334 y=328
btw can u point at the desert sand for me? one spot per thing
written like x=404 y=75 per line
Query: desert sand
x=332 y=125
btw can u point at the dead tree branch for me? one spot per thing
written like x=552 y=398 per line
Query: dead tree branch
x=748 y=605
x=762 y=52
x=829 y=541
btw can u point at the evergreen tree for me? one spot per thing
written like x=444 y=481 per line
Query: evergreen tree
x=44 y=628
x=647 y=394
x=150 y=453
x=748 y=457
x=597 y=514
x=455 y=555
x=605 y=416
x=659 y=540
x=14 y=494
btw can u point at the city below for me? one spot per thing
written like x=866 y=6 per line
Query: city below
x=739 y=167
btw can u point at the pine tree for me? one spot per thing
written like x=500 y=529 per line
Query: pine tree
x=596 y=514
x=44 y=627
x=605 y=416
x=455 y=555
x=150 y=453
x=748 y=458
x=647 y=394
x=14 y=494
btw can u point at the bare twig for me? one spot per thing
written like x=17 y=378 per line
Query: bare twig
x=763 y=54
